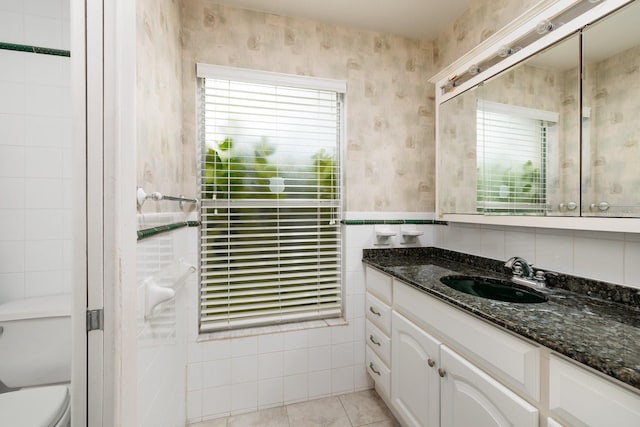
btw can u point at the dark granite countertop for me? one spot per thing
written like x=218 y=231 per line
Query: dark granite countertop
x=603 y=333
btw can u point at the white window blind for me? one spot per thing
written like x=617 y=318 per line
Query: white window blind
x=512 y=146
x=270 y=185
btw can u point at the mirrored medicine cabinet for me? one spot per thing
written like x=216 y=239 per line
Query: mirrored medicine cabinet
x=543 y=139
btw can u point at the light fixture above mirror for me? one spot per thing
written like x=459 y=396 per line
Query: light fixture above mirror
x=543 y=28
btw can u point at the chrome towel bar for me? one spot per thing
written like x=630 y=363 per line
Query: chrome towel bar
x=142 y=196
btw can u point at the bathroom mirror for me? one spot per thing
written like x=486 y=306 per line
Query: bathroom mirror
x=611 y=99
x=511 y=146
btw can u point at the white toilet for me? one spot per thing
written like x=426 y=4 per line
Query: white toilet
x=35 y=356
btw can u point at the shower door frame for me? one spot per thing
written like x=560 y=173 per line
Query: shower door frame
x=103 y=66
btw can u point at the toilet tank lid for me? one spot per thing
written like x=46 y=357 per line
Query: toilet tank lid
x=35 y=308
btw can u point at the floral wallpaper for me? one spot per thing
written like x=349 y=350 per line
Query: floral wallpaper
x=159 y=101
x=390 y=105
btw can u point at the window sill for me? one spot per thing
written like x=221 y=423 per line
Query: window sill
x=263 y=330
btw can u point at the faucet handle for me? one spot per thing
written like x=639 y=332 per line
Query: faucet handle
x=520 y=267
x=540 y=276
x=517 y=269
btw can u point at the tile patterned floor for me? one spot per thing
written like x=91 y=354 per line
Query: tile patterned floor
x=363 y=408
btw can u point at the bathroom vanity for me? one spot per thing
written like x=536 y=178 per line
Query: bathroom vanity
x=440 y=357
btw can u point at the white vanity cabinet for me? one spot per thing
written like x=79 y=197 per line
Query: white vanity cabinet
x=509 y=359
x=470 y=397
x=432 y=385
x=425 y=382
x=415 y=384
x=436 y=365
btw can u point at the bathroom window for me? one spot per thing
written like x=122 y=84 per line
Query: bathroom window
x=512 y=154
x=270 y=183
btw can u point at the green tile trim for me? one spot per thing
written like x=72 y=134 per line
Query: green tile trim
x=391 y=221
x=153 y=231
x=34 y=49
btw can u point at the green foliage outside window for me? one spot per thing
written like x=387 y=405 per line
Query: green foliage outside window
x=231 y=174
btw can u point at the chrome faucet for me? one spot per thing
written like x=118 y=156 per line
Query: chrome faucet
x=520 y=267
x=524 y=274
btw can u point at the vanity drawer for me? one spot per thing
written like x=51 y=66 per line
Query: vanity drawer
x=585 y=398
x=379 y=284
x=379 y=372
x=379 y=342
x=508 y=358
x=378 y=313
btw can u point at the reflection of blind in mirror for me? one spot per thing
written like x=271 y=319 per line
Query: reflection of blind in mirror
x=512 y=150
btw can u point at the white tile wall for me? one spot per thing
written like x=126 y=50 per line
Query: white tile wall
x=611 y=257
x=270 y=392
x=229 y=376
x=270 y=365
x=164 y=378
x=292 y=366
x=35 y=140
x=296 y=388
x=244 y=397
x=43 y=23
x=320 y=384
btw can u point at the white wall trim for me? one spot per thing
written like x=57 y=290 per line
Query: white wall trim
x=621 y=225
x=79 y=146
x=119 y=215
x=269 y=77
x=97 y=386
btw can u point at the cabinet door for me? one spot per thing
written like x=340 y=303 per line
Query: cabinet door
x=470 y=397
x=584 y=398
x=415 y=385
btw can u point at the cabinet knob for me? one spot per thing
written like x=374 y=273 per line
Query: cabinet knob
x=571 y=206
x=442 y=372
x=375 y=371
x=371 y=309
x=373 y=340
x=431 y=363
x=602 y=206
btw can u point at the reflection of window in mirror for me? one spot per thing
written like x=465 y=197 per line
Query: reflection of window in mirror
x=512 y=153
